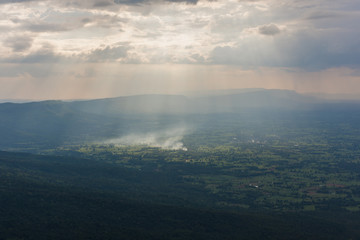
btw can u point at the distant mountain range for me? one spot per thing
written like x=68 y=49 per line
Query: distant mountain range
x=58 y=122
x=178 y=104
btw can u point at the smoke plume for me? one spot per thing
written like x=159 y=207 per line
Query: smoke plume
x=170 y=139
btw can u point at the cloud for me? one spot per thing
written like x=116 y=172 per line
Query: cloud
x=134 y=2
x=197 y=58
x=47 y=27
x=310 y=51
x=108 y=53
x=323 y=15
x=184 y=1
x=15 y=1
x=104 y=21
x=41 y=56
x=130 y=2
x=308 y=34
x=46 y=54
x=103 y=3
x=111 y=4
x=55 y=22
x=19 y=43
x=269 y=30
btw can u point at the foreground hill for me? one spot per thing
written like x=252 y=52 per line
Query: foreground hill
x=48 y=197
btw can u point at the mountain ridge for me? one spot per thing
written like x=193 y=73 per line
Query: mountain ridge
x=54 y=122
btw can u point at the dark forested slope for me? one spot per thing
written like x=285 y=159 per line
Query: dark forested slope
x=45 y=197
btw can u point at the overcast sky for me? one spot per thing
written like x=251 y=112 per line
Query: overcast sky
x=68 y=49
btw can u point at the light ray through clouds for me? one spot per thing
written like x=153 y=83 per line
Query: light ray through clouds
x=104 y=48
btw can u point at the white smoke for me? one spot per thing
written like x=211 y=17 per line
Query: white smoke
x=170 y=139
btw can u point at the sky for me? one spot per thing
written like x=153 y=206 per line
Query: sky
x=69 y=49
